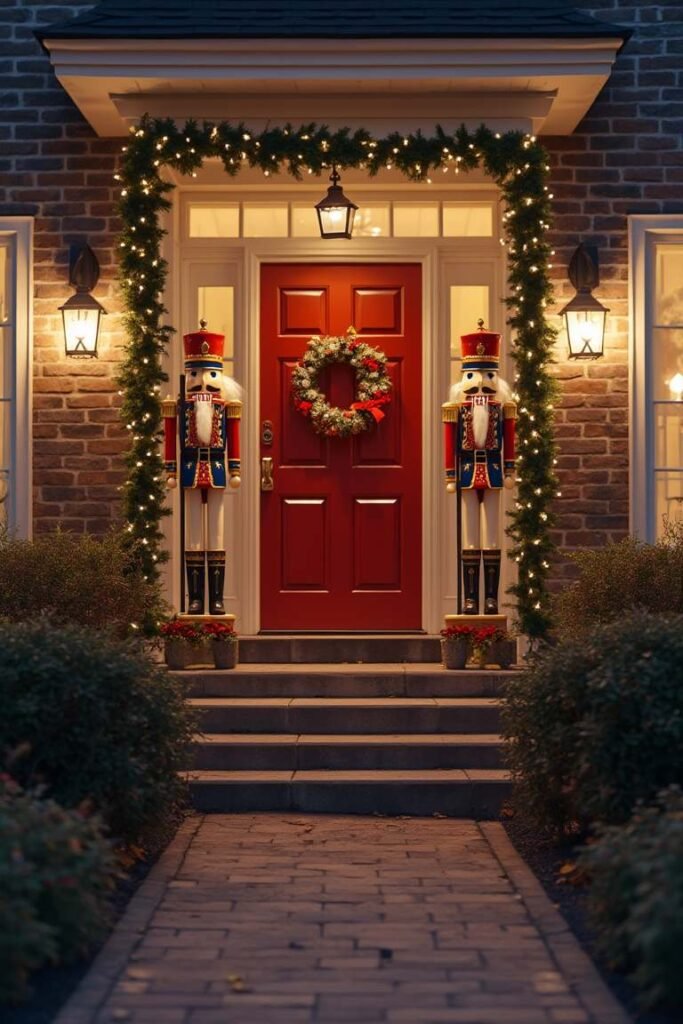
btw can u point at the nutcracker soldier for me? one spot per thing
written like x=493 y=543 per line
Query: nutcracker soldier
x=479 y=429
x=206 y=419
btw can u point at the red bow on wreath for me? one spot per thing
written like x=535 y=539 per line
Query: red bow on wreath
x=373 y=406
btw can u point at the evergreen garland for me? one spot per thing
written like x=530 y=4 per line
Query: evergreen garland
x=518 y=165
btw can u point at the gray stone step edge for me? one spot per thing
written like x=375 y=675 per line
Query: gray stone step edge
x=362 y=681
x=459 y=797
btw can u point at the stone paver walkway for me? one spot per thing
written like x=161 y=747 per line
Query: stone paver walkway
x=260 y=918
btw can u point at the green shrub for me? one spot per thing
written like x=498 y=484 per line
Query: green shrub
x=636 y=896
x=71 y=578
x=56 y=874
x=596 y=723
x=97 y=720
x=619 y=578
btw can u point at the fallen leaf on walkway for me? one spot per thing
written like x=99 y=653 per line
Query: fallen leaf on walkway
x=237 y=983
x=571 y=874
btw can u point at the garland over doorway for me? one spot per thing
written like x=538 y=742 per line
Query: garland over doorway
x=515 y=161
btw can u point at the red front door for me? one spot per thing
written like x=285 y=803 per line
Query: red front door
x=341 y=537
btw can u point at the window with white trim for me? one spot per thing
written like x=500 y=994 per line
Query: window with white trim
x=657 y=373
x=16 y=235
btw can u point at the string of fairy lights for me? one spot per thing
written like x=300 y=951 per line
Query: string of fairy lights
x=514 y=160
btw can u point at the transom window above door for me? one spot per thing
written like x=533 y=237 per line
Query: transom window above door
x=265 y=218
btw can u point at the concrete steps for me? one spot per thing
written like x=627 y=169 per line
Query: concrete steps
x=378 y=752
x=347 y=715
x=337 y=648
x=336 y=680
x=354 y=733
x=473 y=793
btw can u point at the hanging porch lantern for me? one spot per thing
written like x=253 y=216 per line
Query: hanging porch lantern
x=335 y=211
x=81 y=314
x=584 y=315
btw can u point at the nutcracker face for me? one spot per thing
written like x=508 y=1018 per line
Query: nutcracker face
x=201 y=378
x=480 y=382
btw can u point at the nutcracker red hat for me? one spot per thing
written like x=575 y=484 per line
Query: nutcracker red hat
x=480 y=350
x=204 y=349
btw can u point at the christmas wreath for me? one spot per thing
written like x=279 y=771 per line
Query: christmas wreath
x=373 y=385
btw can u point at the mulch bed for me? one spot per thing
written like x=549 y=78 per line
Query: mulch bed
x=545 y=859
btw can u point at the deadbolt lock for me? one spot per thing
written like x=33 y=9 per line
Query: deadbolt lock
x=267 y=433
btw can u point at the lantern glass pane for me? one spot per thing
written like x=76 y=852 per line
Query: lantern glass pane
x=668 y=298
x=586 y=332
x=333 y=220
x=668 y=499
x=81 y=327
x=667 y=362
x=216 y=305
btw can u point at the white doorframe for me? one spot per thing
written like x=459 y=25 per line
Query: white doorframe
x=432 y=254
x=645 y=232
x=16 y=237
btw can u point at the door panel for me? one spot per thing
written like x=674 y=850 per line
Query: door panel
x=341 y=530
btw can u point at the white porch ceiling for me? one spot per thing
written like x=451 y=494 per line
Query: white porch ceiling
x=541 y=86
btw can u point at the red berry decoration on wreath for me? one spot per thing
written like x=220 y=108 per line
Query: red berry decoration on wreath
x=373 y=385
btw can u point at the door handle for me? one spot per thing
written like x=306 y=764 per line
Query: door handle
x=267 y=474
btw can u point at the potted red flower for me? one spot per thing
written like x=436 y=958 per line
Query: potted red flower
x=182 y=643
x=456 y=642
x=224 y=643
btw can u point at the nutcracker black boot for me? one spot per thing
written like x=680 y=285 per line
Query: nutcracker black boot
x=216 y=561
x=196 y=575
x=491 y=581
x=470 y=575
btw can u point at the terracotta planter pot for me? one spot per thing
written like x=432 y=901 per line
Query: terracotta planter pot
x=454 y=652
x=503 y=653
x=225 y=653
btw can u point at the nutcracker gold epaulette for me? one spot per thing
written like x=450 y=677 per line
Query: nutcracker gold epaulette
x=233 y=410
x=169 y=407
x=449 y=412
x=509 y=411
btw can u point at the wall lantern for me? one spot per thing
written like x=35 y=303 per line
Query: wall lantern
x=81 y=313
x=584 y=316
x=335 y=211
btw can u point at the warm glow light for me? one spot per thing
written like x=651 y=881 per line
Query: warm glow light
x=585 y=332
x=81 y=327
x=676 y=387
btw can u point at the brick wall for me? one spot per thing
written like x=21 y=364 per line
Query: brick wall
x=626 y=157
x=52 y=167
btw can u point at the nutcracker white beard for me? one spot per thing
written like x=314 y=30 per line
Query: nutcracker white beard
x=480 y=424
x=203 y=411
